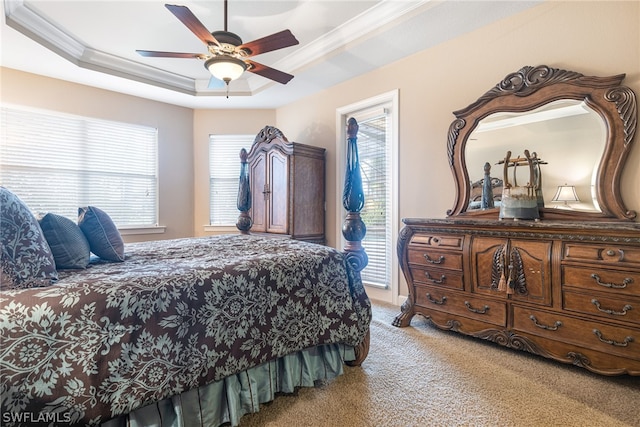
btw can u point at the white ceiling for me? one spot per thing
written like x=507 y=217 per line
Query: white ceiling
x=94 y=42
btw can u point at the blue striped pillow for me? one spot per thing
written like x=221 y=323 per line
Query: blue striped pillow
x=68 y=244
x=101 y=232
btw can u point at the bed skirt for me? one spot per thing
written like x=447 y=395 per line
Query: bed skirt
x=227 y=400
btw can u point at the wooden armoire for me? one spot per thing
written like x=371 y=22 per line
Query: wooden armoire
x=287 y=182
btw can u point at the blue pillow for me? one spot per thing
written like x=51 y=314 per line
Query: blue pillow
x=68 y=244
x=101 y=233
x=26 y=257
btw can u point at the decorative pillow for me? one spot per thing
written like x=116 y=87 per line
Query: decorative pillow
x=104 y=238
x=67 y=242
x=26 y=256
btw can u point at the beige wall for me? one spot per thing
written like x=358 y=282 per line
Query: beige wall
x=594 y=38
x=175 y=135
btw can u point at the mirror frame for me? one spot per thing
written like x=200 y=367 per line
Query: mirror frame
x=530 y=88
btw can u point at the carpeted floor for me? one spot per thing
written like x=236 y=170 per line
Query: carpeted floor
x=421 y=376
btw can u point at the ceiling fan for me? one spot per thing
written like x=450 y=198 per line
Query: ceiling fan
x=227 y=57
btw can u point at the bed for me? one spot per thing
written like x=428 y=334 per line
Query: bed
x=183 y=332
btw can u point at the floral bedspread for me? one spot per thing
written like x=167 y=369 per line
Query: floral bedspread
x=175 y=315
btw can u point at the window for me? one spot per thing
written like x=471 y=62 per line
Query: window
x=377 y=153
x=224 y=174
x=57 y=163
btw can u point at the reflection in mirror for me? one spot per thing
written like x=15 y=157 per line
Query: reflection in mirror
x=567 y=135
x=593 y=165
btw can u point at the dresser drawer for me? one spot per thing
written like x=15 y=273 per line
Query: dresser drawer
x=615 y=282
x=602 y=254
x=436 y=241
x=430 y=276
x=439 y=259
x=627 y=310
x=461 y=304
x=611 y=339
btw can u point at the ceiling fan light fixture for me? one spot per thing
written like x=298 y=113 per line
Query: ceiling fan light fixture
x=225 y=68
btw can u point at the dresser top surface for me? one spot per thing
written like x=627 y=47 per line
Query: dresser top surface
x=618 y=227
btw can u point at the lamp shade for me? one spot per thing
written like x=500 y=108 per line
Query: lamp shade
x=566 y=193
x=225 y=67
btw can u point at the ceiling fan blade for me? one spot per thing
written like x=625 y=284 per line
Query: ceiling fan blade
x=268 y=72
x=156 y=54
x=189 y=19
x=273 y=42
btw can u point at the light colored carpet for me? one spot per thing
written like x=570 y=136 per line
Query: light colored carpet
x=421 y=376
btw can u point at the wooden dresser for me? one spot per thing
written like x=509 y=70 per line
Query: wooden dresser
x=562 y=290
x=287 y=182
x=566 y=285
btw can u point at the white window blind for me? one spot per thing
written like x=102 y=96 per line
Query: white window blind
x=57 y=163
x=224 y=174
x=374 y=150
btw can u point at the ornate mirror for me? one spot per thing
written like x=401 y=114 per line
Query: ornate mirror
x=579 y=128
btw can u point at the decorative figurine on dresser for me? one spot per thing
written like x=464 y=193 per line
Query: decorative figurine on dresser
x=566 y=286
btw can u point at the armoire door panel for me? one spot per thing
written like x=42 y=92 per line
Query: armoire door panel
x=279 y=185
x=257 y=181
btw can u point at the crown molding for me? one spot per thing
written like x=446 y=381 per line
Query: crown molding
x=27 y=21
x=383 y=13
x=22 y=18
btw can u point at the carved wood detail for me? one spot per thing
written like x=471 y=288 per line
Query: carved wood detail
x=511 y=339
x=244 y=195
x=353 y=228
x=362 y=351
x=268 y=134
x=550 y=308
x=530 y=88
x=530 y=285
x=612 y=235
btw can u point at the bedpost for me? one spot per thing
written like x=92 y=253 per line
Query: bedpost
x=244 y=195
x=353 y=228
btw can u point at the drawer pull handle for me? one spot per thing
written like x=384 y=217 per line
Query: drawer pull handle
x=434 y=301
x=434 y=261
x=624 y=343
x=625 y=282
x=439 y=281
x=476 y=310
x=541 y=326
x=604 y=310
